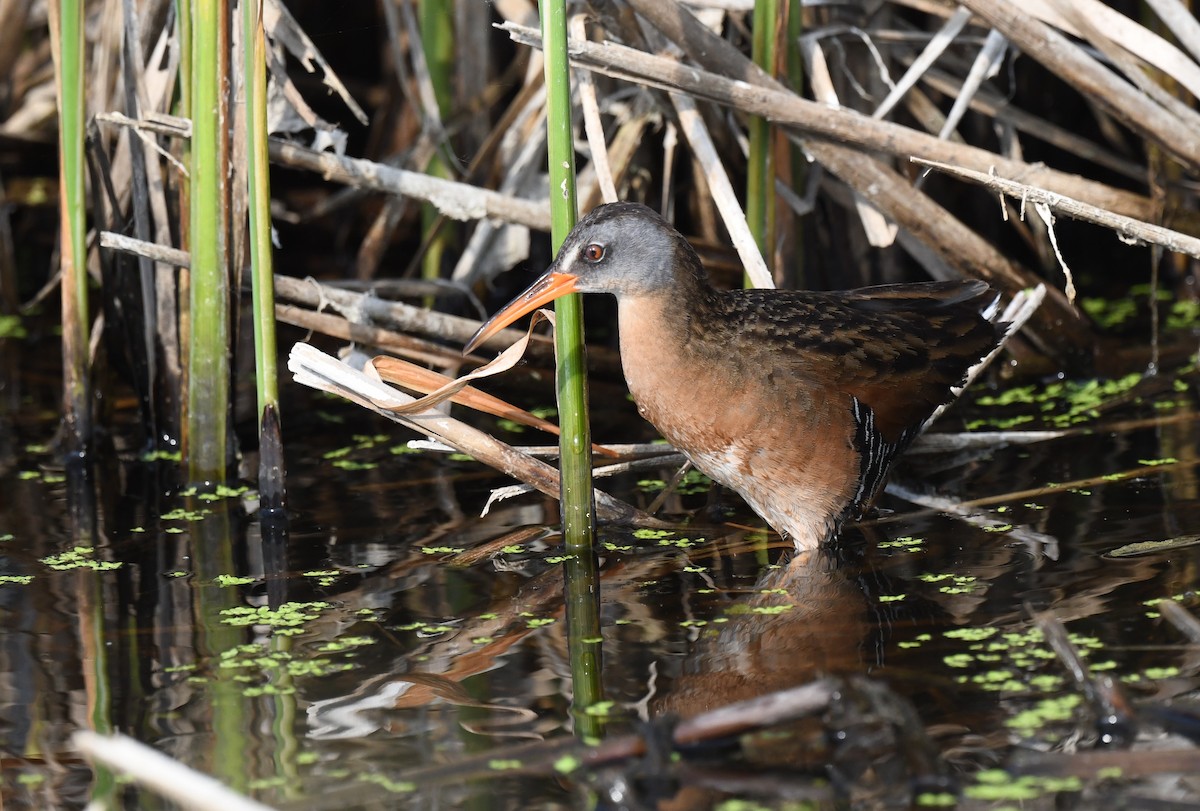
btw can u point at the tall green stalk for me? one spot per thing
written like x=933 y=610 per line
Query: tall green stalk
x=760 y=179
x=437 y=41
x=212 y=553
x=67 y=47
x=208 y=358
x=577 y=500
x=799 y=163
x=257 y=165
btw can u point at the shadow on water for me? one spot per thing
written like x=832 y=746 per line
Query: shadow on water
x=366 y=653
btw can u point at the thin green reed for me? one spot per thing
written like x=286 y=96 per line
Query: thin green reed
x=67 y=46
x=258 y=175
x=760 y=179
x=799 y=169
x=208 y=356
x=577 y=501
x=437 y=41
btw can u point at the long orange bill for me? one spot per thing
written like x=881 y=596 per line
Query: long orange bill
x=546 y=289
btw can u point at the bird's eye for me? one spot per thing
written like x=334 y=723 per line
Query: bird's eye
x=594 y=252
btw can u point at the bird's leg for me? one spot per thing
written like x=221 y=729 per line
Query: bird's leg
x=656 y=505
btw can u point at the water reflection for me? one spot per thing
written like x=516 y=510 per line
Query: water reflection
x=395 y=634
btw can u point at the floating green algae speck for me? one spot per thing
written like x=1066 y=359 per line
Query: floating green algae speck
x=682 y=543
x=1010 y=792
x=567 y=764
x=286 y=620
x=502 y=765
x=1046 y=682
x=351 y=465
x=233 y=580
x=258 y=691
x=906 y=542
x=184 y=668
x=346 y=643
x=1109 y=313
x=997 y=785
x=1062 y=403
x=1046 y=711
x=79 y=557
x=652 y=534
x=425 y=628
x=387 y=784
x=16 y=579
x=601 y=709
x=1184 y=314
x=11 y=327
x=180 y=514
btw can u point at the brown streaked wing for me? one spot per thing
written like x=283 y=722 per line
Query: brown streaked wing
x=898 y=349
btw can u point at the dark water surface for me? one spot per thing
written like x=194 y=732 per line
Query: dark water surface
x=128 y=606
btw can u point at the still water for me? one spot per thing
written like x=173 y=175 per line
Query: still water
x=398 y=651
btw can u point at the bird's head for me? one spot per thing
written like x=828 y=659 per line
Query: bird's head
x=625 y=249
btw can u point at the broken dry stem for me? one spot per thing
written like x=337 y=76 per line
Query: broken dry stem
x=313 y=368
x=840 y=125
x=1126 y=228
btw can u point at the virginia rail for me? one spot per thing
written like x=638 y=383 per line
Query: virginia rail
x=797 y=400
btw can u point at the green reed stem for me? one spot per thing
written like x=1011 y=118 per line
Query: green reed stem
x=67 y=47
x=258 y=174
x=208 y=365
x=577 y=501
x=232 y=757
x=183 y=25
x=760 y=176
x=799 y=163
x=437 y=40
